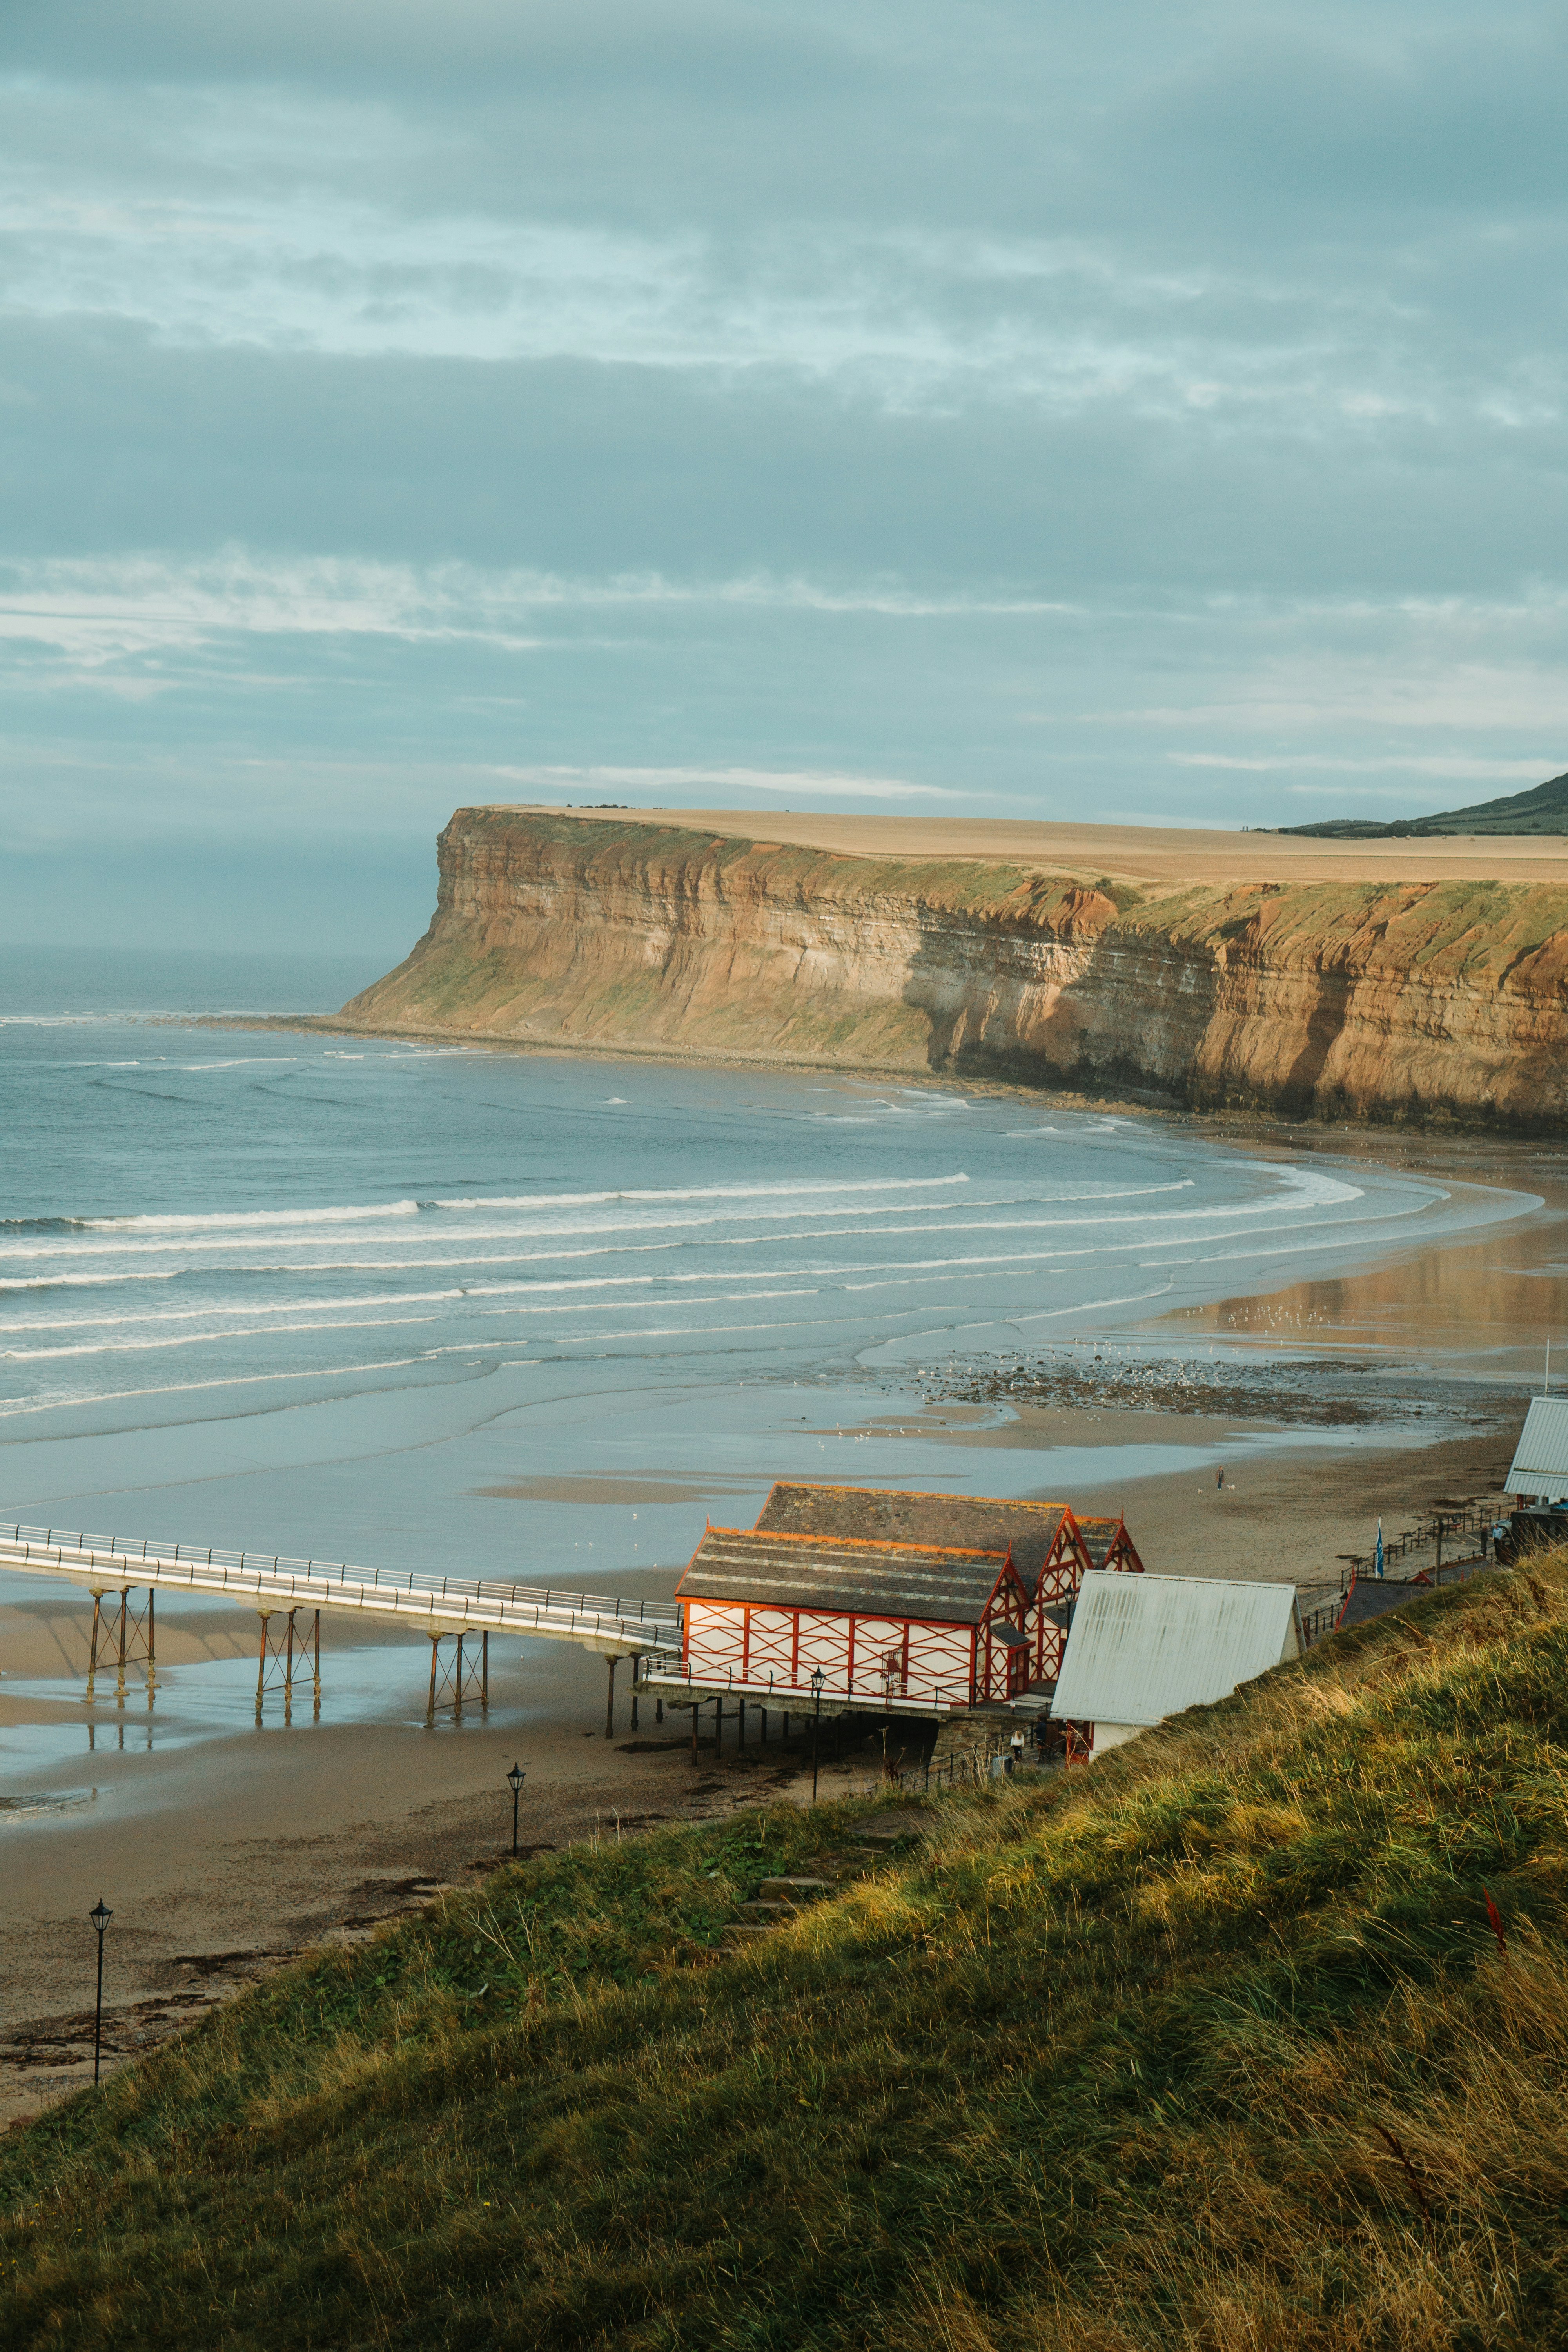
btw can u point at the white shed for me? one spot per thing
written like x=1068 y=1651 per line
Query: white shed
x=1143 y=1647
x=1540 y=1471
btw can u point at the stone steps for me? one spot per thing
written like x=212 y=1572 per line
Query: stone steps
x=784 y=1897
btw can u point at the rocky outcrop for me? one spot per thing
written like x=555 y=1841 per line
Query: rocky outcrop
x=1404 y=1002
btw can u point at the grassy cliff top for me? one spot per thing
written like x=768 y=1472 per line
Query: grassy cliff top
x=1212 y=2044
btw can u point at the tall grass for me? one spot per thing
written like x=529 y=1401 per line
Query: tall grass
x=1211 y=2045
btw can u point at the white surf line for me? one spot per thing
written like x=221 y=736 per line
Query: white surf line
x=444 y=1605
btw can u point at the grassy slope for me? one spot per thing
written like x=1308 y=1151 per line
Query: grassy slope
x=1542 y=809
x=1211 y=2045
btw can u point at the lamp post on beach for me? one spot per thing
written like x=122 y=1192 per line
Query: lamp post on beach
x=514 y=1781
x=100 y=1918
x=817 y=1679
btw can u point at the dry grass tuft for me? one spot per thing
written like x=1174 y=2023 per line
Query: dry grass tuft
x=1210 y=2049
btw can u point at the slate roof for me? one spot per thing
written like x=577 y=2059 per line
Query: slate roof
x=1098 y=1535
x=945 y=1522
x=775 y=1568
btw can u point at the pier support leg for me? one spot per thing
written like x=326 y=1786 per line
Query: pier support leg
x=261 y=1662
x=435 y=1653
x=120 y=1676
x=485 y=1673
x=316 y=1643
x=92 y=1656
x=151 y=1645
x=457 y=1685
x=288 y=1668
x=658 y=1710
x=610 y=1698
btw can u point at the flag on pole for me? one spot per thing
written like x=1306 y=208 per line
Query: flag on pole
x=1379 y=1547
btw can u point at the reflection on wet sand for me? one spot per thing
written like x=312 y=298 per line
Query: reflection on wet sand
x=1466 y=1309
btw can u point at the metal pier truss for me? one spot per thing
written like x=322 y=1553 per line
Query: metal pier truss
x=289 y=1653
x=458 y=1682
x=124 y=1636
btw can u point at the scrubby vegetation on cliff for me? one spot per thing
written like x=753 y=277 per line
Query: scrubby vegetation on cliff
x=1218 y=2043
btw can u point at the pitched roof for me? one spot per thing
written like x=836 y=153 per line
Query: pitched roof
x=1098 y=1535
x=967 y=1522
x=1540 y=1458
x=1142 y=1647
x=774 y=1569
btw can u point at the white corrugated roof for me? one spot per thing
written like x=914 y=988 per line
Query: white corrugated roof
x=1541 y=1459
x=1142 y=1647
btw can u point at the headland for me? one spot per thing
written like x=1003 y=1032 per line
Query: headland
x=1393 y=982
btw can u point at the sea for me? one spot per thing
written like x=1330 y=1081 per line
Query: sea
x=544 y=1315
x=428 y=1305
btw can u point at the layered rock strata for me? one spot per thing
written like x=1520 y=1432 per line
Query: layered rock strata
x=1389 y=1002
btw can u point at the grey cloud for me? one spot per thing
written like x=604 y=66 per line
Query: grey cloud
x=757 y=57
x=1410 y=118
x=593 y=469
x=1164 y=406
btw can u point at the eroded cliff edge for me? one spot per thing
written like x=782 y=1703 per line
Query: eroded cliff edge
x=1392 y=1002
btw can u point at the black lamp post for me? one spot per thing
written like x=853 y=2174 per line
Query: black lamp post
x=100 y=1918
x=514 y=1781
x=817 y=1679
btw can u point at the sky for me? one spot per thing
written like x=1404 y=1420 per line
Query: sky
x=1152 y=413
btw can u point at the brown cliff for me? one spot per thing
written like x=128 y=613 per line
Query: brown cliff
x=1390 y=1000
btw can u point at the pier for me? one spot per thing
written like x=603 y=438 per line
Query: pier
x=459 y=1610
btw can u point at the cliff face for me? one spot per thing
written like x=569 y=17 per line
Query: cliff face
x=1383 y=1002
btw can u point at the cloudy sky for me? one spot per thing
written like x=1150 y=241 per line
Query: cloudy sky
x=1155 y=412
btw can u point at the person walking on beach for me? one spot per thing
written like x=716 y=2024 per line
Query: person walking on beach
x=1219 y=1479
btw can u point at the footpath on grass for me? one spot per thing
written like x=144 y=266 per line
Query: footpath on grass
x=1256 y=2033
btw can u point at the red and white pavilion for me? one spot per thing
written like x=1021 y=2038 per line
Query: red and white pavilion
x=902 y=1603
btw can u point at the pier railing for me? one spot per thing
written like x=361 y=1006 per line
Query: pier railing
x=483 y=1602
x=1453 y=1542
x=1437 y=1532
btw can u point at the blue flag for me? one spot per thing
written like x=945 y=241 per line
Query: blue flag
x=1379 y=1547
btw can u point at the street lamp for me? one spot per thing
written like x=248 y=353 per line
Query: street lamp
x=817 y=1679
x=100 y=1917
x=514 y=1781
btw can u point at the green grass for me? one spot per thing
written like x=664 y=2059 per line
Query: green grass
x=1210 y=2045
